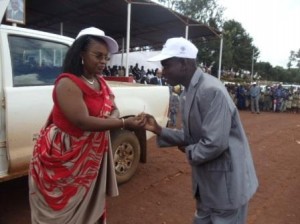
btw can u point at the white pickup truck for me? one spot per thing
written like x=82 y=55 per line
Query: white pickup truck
x=30 y=61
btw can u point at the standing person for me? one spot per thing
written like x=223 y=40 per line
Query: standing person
x=158 y=79
x=212 y=138
x=72 y=167
x=268 y=99
x=254 y=96
x=173 y=107
x=240 y=95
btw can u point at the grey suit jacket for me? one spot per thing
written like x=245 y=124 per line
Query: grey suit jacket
x=217 y=148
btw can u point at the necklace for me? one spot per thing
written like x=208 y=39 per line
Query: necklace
x=90 y=82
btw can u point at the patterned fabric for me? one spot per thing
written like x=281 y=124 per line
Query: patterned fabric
x=98 y=103
x=64 y=164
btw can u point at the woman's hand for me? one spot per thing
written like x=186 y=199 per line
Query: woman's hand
x=135 y=122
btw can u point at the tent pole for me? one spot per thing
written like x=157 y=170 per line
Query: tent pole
x=122 y=58
x=61 y=28
x=220 y=58
x=128 y=38
x=252 y=65
x=187 y=32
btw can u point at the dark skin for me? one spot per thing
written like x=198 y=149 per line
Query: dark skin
x=70 y=97
x=176 y=71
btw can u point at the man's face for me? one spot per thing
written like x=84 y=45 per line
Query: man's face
x=15 y=4
x=159 y=73
x=173 y=70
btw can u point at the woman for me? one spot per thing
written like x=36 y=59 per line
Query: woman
x=72 y=168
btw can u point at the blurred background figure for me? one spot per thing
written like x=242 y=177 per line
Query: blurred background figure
x=15 y=11
x=174 y=105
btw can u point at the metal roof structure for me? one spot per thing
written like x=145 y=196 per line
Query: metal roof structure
x=151 y=24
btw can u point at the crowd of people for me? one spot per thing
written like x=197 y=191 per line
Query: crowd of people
x=251 y=96
x=274 y=98
x=139 y=74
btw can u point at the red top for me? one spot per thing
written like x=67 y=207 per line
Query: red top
x=66 y=159
x=94 y=101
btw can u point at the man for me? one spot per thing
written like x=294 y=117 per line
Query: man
x=255 y=95
x=15 y=13
x=212 y=138
x=173 y=107
x=158 y=80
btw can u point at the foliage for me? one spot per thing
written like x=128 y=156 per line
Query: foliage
x=294 y=59
x=205 y=11
x=279 y=74
x=238 y=48
x=239 y=53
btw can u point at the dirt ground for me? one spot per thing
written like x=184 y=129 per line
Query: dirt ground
x=160 y=192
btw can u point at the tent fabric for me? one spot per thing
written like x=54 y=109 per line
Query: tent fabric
x=139 y=57
x=151 y=23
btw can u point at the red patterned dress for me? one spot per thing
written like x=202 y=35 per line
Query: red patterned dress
x=71 y=170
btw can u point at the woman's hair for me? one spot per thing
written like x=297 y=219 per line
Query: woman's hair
x=73 y=60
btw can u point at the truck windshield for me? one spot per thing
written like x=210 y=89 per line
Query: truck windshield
x=35 y=62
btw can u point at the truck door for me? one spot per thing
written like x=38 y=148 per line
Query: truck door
x=34 y=63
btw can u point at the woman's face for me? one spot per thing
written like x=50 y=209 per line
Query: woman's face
x=95 y=58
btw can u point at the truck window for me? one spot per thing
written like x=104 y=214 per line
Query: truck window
x=35 y=62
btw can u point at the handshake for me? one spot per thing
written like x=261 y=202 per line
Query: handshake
x=143 y=120
x=147 y=122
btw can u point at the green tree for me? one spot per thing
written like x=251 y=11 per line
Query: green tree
x=264 y=69
x=209 y=13
x=294 y=59
x=205 y=11
x=238 y=48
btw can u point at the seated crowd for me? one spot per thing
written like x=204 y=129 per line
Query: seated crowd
x=140 y=75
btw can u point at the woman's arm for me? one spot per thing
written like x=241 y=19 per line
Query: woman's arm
x=71 y=102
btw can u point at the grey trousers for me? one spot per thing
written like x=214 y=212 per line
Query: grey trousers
x=204 y=215
x=255 y=104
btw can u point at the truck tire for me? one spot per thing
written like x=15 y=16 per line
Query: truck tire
x=126 y=152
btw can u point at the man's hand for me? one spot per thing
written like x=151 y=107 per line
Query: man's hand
x=151 y=124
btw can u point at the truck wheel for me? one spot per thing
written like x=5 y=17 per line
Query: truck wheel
x=126 y=152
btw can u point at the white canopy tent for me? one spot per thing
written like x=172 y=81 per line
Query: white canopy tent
x=187 y=26
x=145 y=24
x=139 y=57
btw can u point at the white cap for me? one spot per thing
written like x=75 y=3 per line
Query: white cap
x=176 y=47
x=111 y=43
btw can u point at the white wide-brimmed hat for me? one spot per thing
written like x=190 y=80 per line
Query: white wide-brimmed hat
x=111 y=43
x=176 y=47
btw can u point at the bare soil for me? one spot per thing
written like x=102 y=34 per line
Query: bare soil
x=160 y=192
